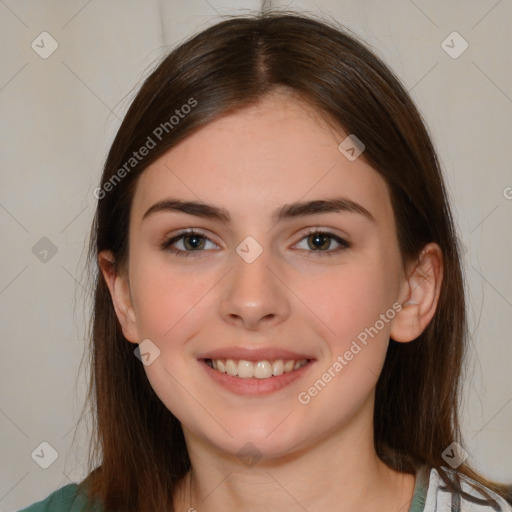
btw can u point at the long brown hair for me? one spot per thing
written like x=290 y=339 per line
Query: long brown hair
x=138 y=443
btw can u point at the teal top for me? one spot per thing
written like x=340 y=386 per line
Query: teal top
x=420 y=491
x=429 y=496
x=66 y=499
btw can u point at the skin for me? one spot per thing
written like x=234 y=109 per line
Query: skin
x=319 y=456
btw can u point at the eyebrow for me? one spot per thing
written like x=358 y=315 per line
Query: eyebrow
x=285 y=212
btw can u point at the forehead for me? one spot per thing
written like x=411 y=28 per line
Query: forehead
x=279 y=151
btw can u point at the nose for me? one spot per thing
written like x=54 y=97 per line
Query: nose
x=254 y=297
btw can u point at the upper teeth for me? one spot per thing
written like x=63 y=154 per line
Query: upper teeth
x=260 y=370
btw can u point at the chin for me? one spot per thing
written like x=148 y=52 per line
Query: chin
x=257 y=440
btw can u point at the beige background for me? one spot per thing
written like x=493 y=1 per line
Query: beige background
x=59 y=115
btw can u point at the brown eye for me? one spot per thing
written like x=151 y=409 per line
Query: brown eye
x=321 y=242
x=192 y=243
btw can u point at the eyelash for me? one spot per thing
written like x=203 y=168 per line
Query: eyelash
x=167 y=244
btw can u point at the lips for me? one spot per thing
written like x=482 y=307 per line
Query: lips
x=255 y=355
x=255 y=371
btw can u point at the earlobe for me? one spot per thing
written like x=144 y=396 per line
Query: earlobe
x=120 y=294
x=420 y=295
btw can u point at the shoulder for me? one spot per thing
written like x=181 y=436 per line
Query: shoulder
x=440 y=498
x=66 y=499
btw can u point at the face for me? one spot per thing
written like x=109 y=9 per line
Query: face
x=263 y=281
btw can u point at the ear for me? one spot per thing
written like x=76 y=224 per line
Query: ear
x=119 y=287
x=419 y=295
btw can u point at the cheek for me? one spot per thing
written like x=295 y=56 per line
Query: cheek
x=168 y=307
x=165 y=300
x=356 y=308
x=347 y=302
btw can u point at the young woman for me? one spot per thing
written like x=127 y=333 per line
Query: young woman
x=279 y=314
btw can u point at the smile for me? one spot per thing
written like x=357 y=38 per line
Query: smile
x=260 y=369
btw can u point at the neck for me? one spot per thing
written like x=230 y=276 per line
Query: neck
x=340 y=473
